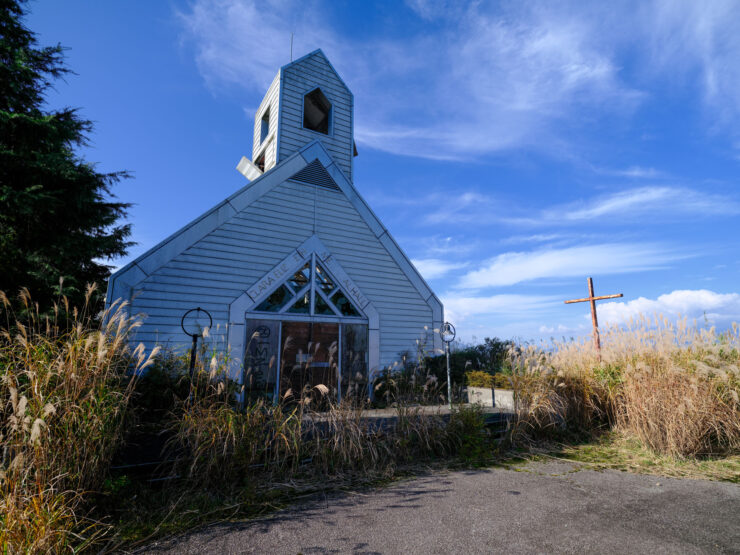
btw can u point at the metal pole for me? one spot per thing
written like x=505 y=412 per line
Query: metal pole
x=449 y=380
x=193 y=354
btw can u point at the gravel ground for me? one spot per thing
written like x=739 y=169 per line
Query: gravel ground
x=543 y=507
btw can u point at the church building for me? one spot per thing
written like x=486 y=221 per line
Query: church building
x=303 y=283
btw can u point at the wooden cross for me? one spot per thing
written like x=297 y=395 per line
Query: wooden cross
x=591 y=299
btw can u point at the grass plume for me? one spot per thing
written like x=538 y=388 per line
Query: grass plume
x=65 y=382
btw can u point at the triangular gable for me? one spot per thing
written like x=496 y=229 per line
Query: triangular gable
x=320 y=53
x=122 y=281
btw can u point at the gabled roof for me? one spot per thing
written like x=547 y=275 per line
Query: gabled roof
x=321 y=53
x=159 y=255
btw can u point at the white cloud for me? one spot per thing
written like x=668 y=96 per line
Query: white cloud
x=503 y=75
x=697 y=43
x=432 y=268
x=464 y=207
x=718 y=308
x=657 y=202
x=503 y=78
x=560 y=328
x=634 y=172
x=459 y=307
x=608 y=258
x=536 y=238
x=446 y=245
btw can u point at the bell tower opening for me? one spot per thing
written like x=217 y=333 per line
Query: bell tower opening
x=265 y=125
x=316 y=112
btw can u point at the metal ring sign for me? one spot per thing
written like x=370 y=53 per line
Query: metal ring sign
x=198 y=310
x=447 y=332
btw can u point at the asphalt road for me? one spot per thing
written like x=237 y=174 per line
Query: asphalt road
x=544 y=508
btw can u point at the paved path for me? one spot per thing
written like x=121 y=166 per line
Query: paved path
x=543 y=508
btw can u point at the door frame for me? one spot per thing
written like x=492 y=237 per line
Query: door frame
x=242 y=307
x=312 y=320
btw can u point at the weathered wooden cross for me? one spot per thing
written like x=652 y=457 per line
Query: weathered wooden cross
x=594 y=320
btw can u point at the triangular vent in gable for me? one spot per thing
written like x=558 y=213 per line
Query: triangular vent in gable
x=315 y=174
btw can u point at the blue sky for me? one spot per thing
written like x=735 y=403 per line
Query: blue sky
x=512 y=148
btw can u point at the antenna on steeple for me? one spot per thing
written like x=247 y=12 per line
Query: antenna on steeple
x=291 y=47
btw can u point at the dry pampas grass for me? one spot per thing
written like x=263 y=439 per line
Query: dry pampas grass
x=673 y=385
x=64 y=388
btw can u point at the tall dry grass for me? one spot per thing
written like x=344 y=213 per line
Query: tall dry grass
x=673 y=385
x=306 y=435
x=65 y=382
x=221 y=442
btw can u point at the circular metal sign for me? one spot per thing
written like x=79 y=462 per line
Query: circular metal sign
x=195 y=320
x=447 y=332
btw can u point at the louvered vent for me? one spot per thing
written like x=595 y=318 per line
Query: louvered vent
x=315 y=174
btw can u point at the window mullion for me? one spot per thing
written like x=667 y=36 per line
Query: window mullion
x=294 y=299
x=328 y=301
x=313 y=282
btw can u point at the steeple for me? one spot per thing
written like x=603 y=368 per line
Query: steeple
x=307 y=101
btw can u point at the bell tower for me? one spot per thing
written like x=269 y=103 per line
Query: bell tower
x=307 y=101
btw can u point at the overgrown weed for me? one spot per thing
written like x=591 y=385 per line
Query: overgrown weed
x=621 y=451
x=65 y=384
x=672 y=385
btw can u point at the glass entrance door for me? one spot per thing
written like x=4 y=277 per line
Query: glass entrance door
x=283 y=355
x=310 y=357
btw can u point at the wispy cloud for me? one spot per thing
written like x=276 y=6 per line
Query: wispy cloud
x=536 y=238
x=609 y=258
x=633 y=172
x=717 y=308
x=505 y=77
x=464 y=207
x=460 y=307
x=432 y=268
x=658 y=202
x=447 y=245
x=562 y=329
x=697 y=43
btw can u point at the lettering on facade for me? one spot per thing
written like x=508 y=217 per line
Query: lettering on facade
x=355 y=293
x=259 y=362
x=266 y=282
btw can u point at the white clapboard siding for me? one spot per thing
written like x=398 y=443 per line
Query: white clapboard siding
x=299 y=78
x=269 y=102
x=377 y=275
x=229 y=260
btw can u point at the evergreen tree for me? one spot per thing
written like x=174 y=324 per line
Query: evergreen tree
x=57 y=215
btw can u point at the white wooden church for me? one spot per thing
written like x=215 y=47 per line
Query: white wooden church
x=304 y=284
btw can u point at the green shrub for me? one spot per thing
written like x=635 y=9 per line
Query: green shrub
x=467 y=429
x=478 y=378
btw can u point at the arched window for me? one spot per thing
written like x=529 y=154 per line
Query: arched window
x=316 y=112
